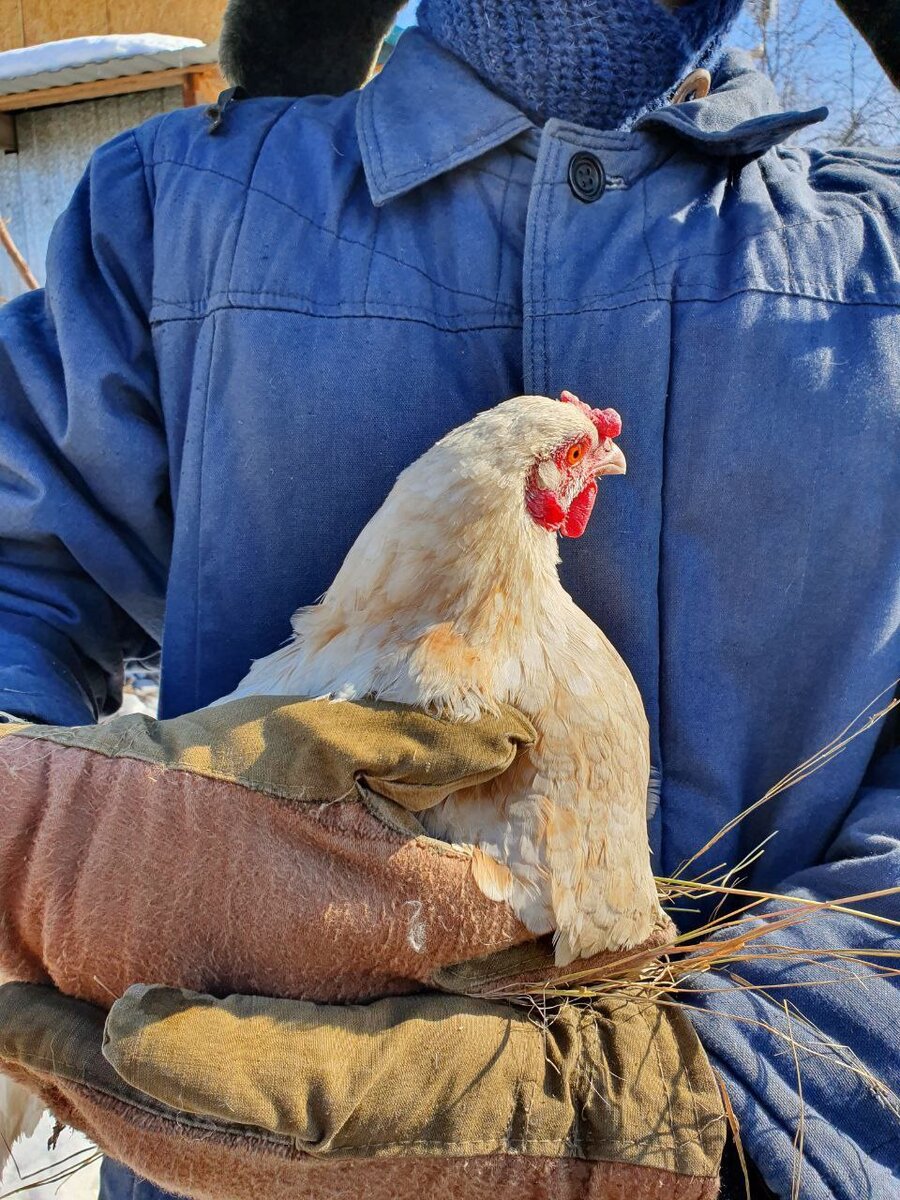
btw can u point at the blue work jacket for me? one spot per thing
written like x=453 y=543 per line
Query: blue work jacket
x=247 y=334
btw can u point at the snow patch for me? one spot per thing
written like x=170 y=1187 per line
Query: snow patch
x=84 y=51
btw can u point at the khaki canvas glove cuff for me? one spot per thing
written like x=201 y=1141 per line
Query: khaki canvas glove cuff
x=429 y=1095
x=312 y=750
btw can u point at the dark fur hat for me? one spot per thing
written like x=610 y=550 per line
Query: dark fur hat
x=303 y=47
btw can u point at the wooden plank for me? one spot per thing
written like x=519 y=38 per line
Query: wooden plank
x=202 y=87
x=208 y=85
x=180 y=18
x=97 y=89
x=189 y=91
x=9 y=142
x=50 y=20
x=12 y=31
x=15 y=257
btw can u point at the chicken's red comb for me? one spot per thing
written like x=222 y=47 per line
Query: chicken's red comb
x=606 y=421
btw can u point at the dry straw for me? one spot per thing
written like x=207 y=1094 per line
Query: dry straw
x=58 y=1172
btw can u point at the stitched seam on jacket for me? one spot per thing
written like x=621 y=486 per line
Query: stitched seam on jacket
x=661 y=553
x=543 y=262
x=471 y=327
x=778 y=232
x=154 y=401
x=501 y=245
x=199 y=559
x=146 y=171
x=607 y=302
x=720 y=297
x=249 y=190
x=489 y=140
x=339 y=307
x=818 y=221
x=339 y=237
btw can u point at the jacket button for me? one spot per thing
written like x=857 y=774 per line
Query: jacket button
x=587 y=179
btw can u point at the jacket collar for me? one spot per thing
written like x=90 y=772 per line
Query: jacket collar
x=427 y=113
x=740 y=117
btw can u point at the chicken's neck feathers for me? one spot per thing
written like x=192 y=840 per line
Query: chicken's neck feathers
x=440 y=614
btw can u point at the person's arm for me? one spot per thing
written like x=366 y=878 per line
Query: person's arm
x=851 y=1139
x=85 y=514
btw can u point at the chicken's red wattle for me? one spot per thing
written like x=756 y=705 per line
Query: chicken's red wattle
x=546 y=510
x=576 y=519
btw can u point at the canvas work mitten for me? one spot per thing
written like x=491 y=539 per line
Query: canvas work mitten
x=264 y=854
x=427 y=1096
x=266 y=846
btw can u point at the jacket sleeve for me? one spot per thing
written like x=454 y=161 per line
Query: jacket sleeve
x=845 y=1016
x=85 y=512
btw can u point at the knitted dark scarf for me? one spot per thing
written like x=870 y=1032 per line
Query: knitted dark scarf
x=595 y=62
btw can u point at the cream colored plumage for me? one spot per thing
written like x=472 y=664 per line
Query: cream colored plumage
x=450 y=599
x=20 y=1113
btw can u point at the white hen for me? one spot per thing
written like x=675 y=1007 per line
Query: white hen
x=450 y=600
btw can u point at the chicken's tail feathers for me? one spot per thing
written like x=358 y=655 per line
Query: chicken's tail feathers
x=564 y=953
x=20 y=1112
x=301 y=615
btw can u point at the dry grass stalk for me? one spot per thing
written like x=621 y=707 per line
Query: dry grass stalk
x=15 y=255
x=730 y=937
x=49 y=1175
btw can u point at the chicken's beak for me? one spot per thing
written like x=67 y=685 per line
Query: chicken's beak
x=609 y=459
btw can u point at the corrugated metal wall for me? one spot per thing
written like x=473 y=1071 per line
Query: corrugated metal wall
x=54 y=147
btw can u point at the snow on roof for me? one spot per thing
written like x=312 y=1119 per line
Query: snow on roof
x=109 y=56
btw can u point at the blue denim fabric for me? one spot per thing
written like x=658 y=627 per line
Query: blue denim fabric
x=118 y=1183
x=246 y=336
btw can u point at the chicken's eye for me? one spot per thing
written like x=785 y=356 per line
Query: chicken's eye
x=574 y=455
